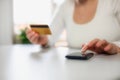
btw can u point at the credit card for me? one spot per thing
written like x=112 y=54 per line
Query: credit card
x=41 y=29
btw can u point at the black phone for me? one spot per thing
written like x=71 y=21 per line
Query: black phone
x=79 y=56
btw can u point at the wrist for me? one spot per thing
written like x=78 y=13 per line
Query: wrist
x=117 y=43
x=118 y=49
x=45 y=45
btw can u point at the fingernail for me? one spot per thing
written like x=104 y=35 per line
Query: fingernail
x=83 y=49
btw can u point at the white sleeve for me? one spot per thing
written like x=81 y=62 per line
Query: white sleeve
x=57 y=25
x=117 y=12
x=116 y=6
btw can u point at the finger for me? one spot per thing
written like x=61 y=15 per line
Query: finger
x=83 y=45
x=93 y=42
x=108 y=48
x=28 y=31
x=84 y=48
x=27 y=27
x=30 y=35
x=34 y=39
x=91 y=45
x=101 y=43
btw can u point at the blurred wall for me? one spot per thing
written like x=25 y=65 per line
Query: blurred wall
x=6 y=22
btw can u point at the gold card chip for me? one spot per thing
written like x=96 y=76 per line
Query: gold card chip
x=41 y=29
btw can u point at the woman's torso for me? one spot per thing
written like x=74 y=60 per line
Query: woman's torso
x=104 y=25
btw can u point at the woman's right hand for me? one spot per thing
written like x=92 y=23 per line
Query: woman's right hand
x=36 y=38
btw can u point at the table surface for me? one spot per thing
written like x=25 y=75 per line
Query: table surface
x=30 y=62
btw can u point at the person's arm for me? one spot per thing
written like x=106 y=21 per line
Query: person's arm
x=117 y=12
x=57 y=25
x=101 y=47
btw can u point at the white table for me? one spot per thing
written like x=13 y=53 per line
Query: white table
x=29 y=62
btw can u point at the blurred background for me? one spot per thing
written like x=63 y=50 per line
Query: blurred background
x=16 y=14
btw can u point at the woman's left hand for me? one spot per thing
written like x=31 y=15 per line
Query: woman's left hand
x=100 y=46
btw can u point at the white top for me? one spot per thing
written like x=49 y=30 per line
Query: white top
x=104 y=25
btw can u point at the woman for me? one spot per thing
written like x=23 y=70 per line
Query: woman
x=95 y=22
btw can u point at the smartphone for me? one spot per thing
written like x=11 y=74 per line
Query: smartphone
x=42 y=29
x=79 y=56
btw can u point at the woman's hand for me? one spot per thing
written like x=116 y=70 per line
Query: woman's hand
x=100 y=46
x=36 y=38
